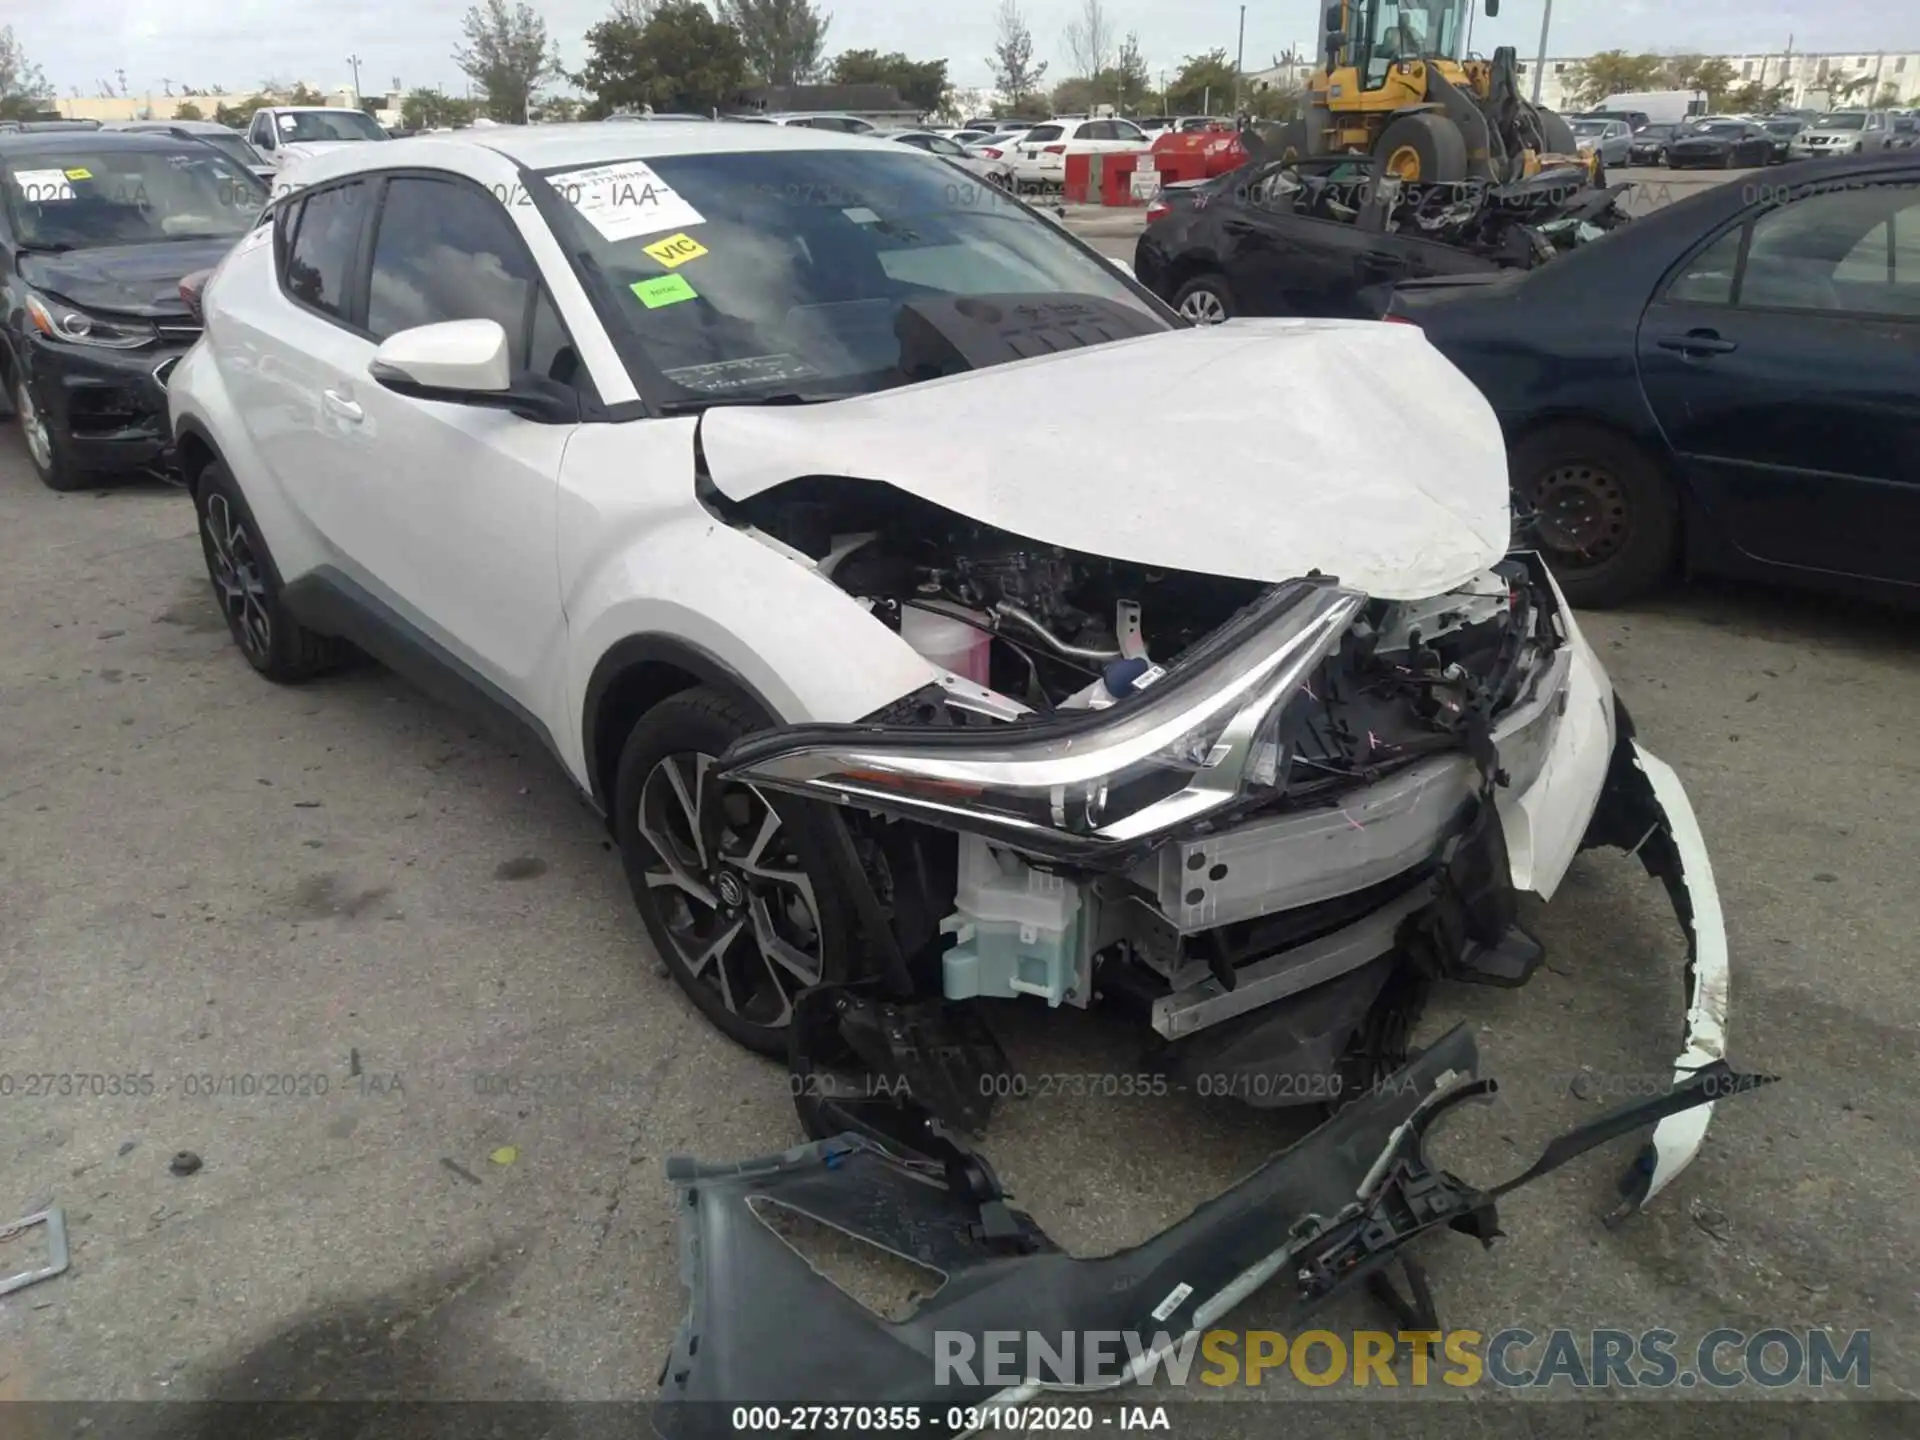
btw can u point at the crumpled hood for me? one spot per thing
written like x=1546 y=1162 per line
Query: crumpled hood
x=1258 y=449
x=124 y=279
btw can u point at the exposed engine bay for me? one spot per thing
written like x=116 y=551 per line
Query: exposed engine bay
x=1252 y=905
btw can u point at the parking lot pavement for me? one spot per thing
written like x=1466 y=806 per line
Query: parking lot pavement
x=380 y=975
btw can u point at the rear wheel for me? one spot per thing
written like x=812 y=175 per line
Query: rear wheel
x=1423 y=147
x=746 y=914
x=247 y=585
x=1205 y=299
x=1601 y=512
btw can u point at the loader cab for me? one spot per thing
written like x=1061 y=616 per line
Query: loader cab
x=1372 y=36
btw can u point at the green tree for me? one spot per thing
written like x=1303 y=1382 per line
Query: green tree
x=556 y=109
x=680 y=59
x=1614 y=72
x=507 y=55
x=241 y=115
x=1014 y=72
x=187 y=110
x=1072 y=96
x=922 y=84
x=1125 y=83
x=783 y=38
x=24 y=91
x=1888 y=98
x=429 y=109
x=1753 y=98
x=303 y=94
x=1203 y=86
x=1276 y=102
x=1709 y=74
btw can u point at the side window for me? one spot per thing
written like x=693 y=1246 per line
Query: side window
x=1124 y=131
x=919 y=142
x=1040 y=134
x=443 y=251
x=1850 y=250
x=320 y=253
x=1708 y=279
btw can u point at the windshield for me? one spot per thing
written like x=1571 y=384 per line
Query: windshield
x=1725 y=127
x=1841 y=122
x=1590 y=127
x=1785 y=127
x=297 y=126
x=1407 y=29
x=780 y=272
x=1657 y=132
x=82 y=196
x=234 y=147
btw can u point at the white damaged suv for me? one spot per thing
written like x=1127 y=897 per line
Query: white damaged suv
x=805 y=506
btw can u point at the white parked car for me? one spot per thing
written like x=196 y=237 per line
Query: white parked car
x=289 y=134
x=998 y=172
x=1040 y=156
x=811 y=120
x=696 y=453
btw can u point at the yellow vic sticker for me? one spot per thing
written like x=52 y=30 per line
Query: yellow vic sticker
x=676 y=250
x=663 y=290
x=79 y=172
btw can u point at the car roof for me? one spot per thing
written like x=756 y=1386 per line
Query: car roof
x=552 y=147
x=185 y=127
x=99 y=141
x=314 y=110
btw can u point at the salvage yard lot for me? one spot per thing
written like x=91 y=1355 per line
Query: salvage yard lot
x=255 y=895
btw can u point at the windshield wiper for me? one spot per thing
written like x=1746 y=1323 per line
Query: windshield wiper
x=694 y=404
x=55 y=247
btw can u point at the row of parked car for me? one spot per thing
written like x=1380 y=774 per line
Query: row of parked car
x=1727 y=142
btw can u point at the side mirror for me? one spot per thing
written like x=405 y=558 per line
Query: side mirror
x=1336 y=18
x=1493 y=8
x=467 y=362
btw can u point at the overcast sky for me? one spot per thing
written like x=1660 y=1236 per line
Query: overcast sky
x=238 y=43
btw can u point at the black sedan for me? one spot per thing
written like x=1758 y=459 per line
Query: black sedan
x=1649 y=144
x=97 y=230
x=1721 y=145
x=1734 y=384
x=1782 y=131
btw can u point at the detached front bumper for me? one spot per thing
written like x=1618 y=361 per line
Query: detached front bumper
x=763 y=1327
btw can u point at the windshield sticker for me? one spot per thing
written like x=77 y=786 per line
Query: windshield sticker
x=860 y=215
x=676 y=250
x=286 y=122
x=663 y=290
x=79 y=172
x=625 y=200
x=40 y=186
x=748 y=373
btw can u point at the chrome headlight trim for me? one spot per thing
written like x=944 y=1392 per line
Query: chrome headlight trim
x=1056 y=785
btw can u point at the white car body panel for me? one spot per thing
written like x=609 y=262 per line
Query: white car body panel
x=1262 y=506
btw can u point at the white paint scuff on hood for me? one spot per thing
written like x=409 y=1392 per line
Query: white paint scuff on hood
x=1259 y=450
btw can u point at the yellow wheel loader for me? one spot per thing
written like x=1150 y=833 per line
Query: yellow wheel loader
x=1395 y=83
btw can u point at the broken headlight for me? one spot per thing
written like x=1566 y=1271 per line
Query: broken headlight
x=1193 y=741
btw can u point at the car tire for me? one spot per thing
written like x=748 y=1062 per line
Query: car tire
x=46 y=447
x=1435 y=143
x=783 y=878
x=248 y=588
x=1592 y=478
x=1206 y=299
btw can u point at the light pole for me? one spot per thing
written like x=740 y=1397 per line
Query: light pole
x=354 y=61
x=1239 y=60
x=1540 y=65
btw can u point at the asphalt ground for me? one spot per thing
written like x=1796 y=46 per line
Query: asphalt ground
x=381 y=977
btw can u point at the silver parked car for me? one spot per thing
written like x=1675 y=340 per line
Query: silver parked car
x=1612 y=138
x=1844 y=132
x=996 y=171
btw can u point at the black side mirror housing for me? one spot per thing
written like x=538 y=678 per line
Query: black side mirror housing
x=1493 y=8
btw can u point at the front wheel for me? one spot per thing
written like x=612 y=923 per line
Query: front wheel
x=1602 y=513
x=742 y=903
x=46 y=447
x=1205 y=299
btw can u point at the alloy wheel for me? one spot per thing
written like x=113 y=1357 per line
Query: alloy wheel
x=1580 y=510
x=237 y=577
x=1203 y=307
x=735 y=902
x=34 y=426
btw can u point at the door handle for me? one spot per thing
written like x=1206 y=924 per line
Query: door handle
x=340 y=405
x=1697 y=342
